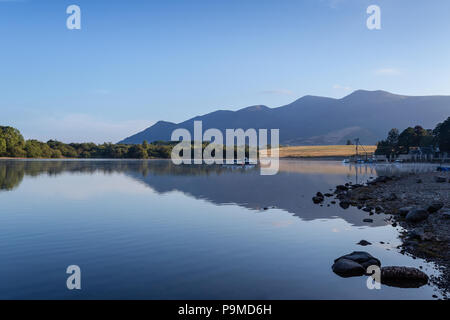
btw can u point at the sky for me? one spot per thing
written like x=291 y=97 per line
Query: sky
x=135 y=62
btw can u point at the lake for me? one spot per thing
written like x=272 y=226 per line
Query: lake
x=152 y=230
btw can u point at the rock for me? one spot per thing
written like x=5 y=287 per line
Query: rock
x=378 y=209
x=368 y=220
x=419 y=181
x=391 y=197
x=403 y=277
x=417 y=215
x=328 y=195
x=364 y=243
x=319 y=194
x=427 y=236
x=317 y=200
x=440 y=179
x=435 y=206
x=348 y=268
x=341 y=188
x=344 y=204
x=363 y=258
x=404 y=211
x=367 y=209
x=382 y=179
x=415 y=233
x=364 y=197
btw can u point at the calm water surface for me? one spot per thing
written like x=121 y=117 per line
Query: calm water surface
x=151 y=230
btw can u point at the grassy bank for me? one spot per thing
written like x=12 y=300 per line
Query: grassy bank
x=322 y=151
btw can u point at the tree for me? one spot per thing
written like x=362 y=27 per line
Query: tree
x=414 y=137
x=442 y=135
x=393 y=136
x=2 y=147
x=13 y=142
x=137 y=152
x=56 y=154
x=384 y=148
x=388 y=146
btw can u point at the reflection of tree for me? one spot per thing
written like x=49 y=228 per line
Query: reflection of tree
x=9 y=177
x=13 y=171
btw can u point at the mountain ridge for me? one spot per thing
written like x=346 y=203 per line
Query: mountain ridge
x=319 y=120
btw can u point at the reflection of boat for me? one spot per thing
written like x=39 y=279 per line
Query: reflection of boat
x=241 y=162
x=245 y=163
x=346 y=161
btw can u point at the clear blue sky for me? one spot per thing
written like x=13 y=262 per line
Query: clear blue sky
x=135 y=62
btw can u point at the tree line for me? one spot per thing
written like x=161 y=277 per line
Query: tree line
x=401 y=143
x=12 y=144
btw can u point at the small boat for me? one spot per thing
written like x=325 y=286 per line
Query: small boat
x=346 y=161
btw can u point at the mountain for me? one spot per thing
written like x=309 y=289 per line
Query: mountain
x=313 y=120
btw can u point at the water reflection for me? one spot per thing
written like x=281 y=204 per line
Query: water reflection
x=139 y=230
x=290 y=190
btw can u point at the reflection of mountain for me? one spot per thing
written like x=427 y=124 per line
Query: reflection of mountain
x=290 y=190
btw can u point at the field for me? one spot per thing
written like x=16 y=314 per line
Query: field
x=323 y=151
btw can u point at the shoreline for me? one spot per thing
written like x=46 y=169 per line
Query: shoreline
x=419 y=203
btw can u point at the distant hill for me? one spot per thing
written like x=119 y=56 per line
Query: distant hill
x=313 y=120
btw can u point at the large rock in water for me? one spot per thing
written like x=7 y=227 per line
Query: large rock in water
x=417 y=215
x=348 y=268
x=403 y=277
x=363 y=258
x=354 y=264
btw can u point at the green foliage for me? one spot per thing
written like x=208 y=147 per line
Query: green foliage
x=2 y=146
x=11 y=142
x=37 y=149
x=442 y=134
x=415 y=137
x=393 y=137
x=137 y=151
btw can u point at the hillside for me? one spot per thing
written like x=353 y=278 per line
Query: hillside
x=313 y=120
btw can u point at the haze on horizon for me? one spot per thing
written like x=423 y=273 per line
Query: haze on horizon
x=134 y=63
